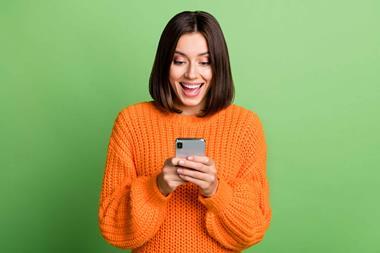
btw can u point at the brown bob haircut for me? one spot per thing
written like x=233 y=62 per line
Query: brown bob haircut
x=221 y=91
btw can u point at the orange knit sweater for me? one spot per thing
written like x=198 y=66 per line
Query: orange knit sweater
x=134 y=214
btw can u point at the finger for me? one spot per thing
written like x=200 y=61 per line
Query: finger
x=172 y=177
x=194 y=174
x=177 y=179
x=193 y=165
x=201 y=159
x=174 y=161
x=202 y=184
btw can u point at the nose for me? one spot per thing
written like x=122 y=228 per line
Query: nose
x=191 y=72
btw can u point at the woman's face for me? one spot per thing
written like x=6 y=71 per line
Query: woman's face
x=190 y=72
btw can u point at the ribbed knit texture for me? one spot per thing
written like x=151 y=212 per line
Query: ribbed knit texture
x=134 y=214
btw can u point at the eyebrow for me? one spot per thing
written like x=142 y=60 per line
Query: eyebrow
x=178 y=52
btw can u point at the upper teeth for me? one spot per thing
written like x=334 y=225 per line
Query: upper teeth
x=191 y=86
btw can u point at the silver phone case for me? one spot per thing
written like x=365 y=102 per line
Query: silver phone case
x=190 y=146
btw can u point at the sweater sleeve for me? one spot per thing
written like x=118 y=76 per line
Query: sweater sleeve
x=239 y=213
x=131 y=207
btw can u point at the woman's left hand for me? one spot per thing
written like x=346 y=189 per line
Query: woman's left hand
x=201 y=171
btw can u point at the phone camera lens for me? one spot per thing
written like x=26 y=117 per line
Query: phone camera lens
x=179 y=145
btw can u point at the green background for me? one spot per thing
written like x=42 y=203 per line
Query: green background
x=310 y=69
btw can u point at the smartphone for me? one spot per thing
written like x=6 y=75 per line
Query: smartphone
x=189 y=146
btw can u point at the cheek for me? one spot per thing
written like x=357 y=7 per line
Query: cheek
x=207 y=74
x=175 y=73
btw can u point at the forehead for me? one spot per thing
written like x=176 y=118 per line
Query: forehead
x=192 y=44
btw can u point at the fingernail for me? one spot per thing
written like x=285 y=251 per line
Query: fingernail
x=181 y=162
x=190 y=158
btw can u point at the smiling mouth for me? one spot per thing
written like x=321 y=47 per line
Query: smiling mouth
x=191 y=90
x=191 y=86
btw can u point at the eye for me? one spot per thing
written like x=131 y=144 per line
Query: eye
x=178 y=62
x=205 y=63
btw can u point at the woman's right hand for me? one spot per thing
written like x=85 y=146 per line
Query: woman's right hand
x=168 y=180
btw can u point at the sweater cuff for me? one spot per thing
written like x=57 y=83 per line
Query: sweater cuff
x=149 y=191
x=221 y=198
x=157 y=196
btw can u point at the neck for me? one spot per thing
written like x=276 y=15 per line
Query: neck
x=190 y=110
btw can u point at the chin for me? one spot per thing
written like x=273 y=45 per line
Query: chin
x=188 y=102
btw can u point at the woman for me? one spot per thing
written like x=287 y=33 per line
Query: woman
x=152 y=201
